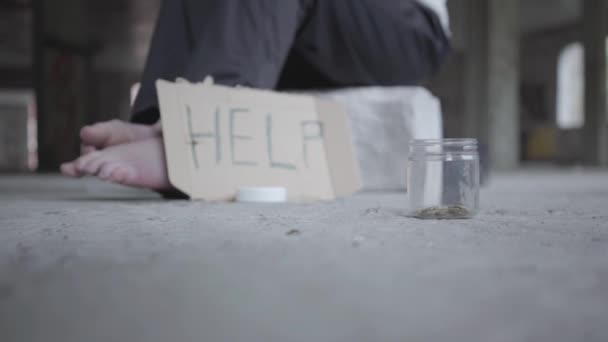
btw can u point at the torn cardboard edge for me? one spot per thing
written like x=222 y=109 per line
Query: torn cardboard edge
x=218 y=139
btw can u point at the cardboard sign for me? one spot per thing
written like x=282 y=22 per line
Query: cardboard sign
x=219 y=139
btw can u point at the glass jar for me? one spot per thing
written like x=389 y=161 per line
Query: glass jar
x=443 y=179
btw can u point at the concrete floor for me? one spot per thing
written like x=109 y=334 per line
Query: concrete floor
x=85 y=261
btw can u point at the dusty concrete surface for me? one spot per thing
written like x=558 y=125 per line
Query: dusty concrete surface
x=83 y=261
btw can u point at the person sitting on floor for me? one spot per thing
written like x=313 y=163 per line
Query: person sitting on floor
x=266 y=44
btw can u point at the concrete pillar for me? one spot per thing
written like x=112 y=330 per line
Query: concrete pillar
x=476 y=61
x=595 y=26
x=503 y=85
x=16 y=110
x=492 y=99
x=62 y=74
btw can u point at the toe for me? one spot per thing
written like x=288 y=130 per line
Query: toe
x=83 y=162
x=97 y=135
x=94 y=166
x=107 y=169
x=88 y=134
x=86 y=149
x=122 y=175
x=69 y=169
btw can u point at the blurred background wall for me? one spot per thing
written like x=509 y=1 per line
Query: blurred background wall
x=79 y=59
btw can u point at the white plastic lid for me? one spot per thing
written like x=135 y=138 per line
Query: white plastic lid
x=262 y=195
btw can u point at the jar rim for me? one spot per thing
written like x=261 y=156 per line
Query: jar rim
x=445 y=142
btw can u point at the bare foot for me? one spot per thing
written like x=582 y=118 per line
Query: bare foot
x=139 y=164
x=115 y=132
